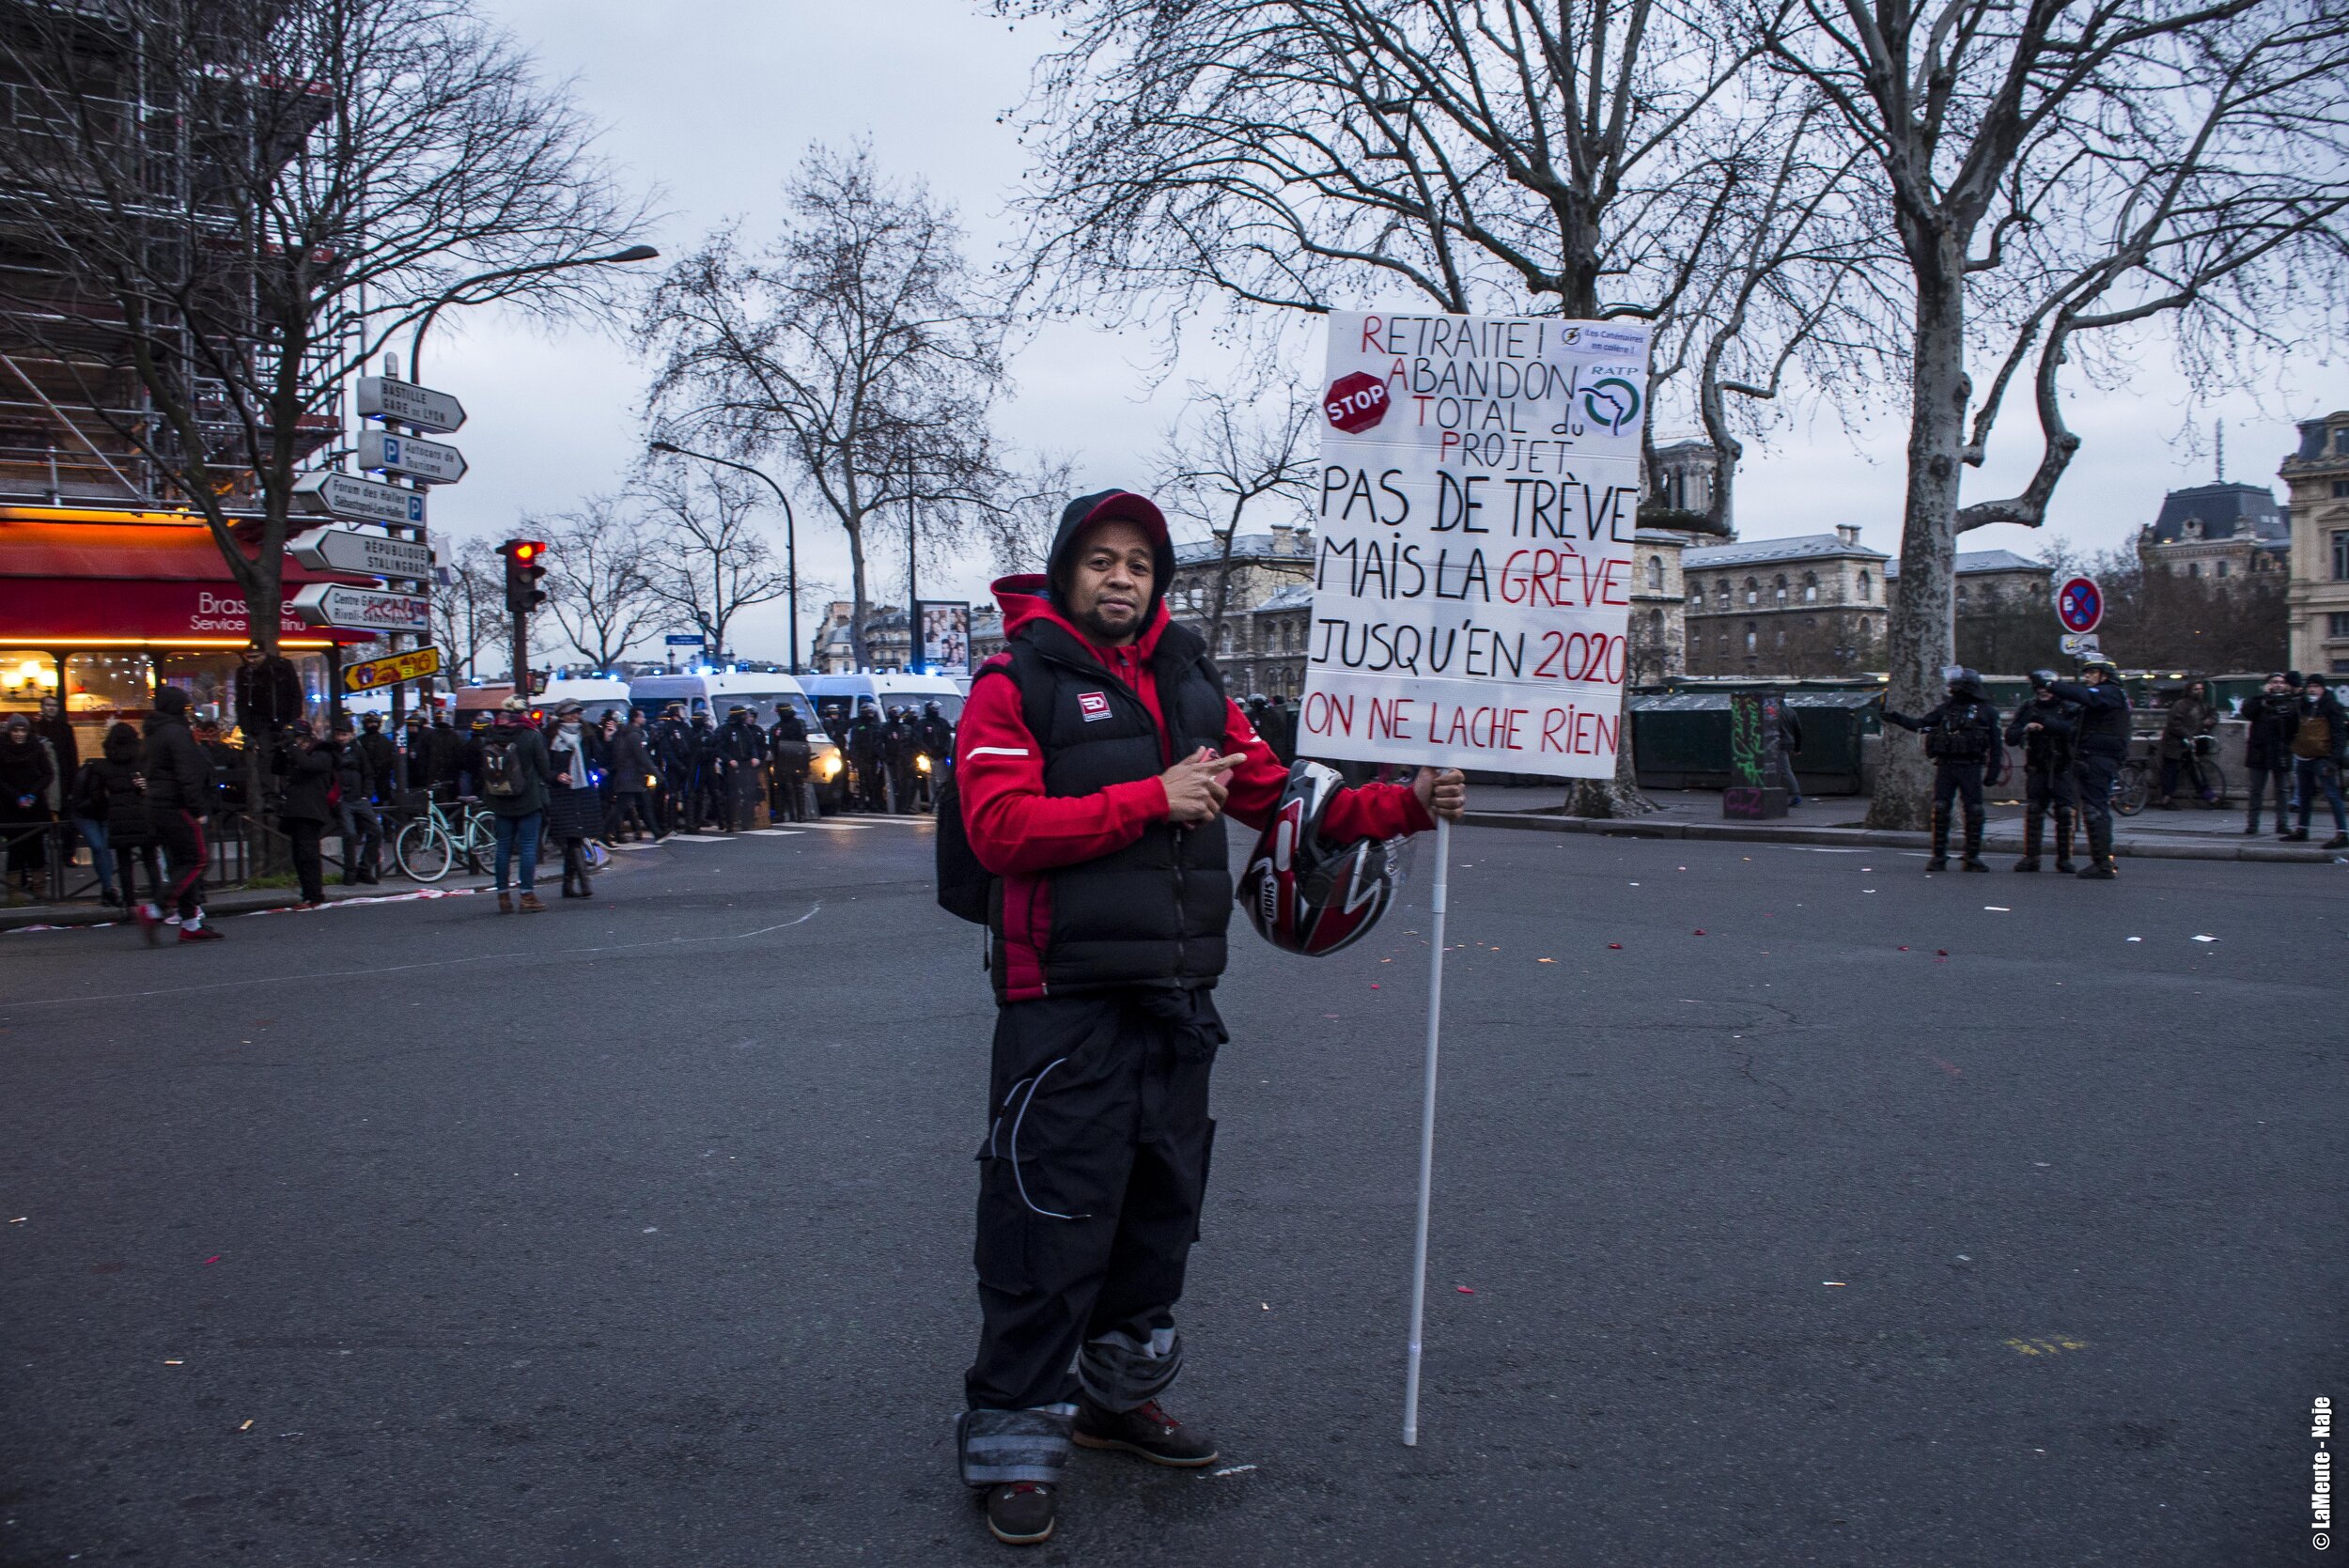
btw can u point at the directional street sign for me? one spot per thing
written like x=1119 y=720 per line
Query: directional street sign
x=428 y=460
x=368 y=674
x=372 y=554
x=685 y=639
x=345 y=495
x=408 y=403
x=366 y=609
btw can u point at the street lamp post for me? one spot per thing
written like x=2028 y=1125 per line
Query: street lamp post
x=790 y=530
x=416 y=344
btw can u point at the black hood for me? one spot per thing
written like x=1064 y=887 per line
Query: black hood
x=172 y=701
x=1100 y=506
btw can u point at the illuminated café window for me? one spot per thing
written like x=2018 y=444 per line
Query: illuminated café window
x=26 y=675
x=105 y=687
x=206 y=679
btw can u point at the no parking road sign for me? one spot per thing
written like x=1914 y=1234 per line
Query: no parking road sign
x=2079 y=605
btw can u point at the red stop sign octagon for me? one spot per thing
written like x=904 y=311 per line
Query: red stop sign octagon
x=1355 y=403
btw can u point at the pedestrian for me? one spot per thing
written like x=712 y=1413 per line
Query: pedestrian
x=226 y=759
x=465 y=758
x=708 y=793
x=1959 y=734
x=2270 y=717
x=448 y=750
x=1282 y=720
x=179 y=782
x=381 y=755
x=575 y=762
x=634 y=779
x=28 y=774
x=897 y=752
x=1107 y=937
x=2320 y=743
x=85 y=804
x=607 y=728
x=269 y=697
x=52 y=729
x=789 y=749
x=739 y=757
x=1789 y=743
x=865 y=751
x=2042 y=727
x=362 y=823
x=119 y=794
x=309 y=798
x=934 y=739
x=2189 y=720
x=514 y=777
x=416 y=752
x=2100 y=744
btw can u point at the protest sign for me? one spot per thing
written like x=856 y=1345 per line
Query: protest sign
x=1477 y=505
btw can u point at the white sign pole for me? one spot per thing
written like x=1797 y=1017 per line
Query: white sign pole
x=1426 y=1137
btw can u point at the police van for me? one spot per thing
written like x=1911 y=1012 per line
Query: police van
x=763 y=692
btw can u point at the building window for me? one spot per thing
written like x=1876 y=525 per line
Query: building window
x=2341 y=440
x=2340 y=489
x=1780 y=639
x=2341 y=555
x=1811 y=587
x=2222 y=569
x=1753 y=639
x=1778 y=591
x=1753 y=593
x=2336 y=625
x=1863 y=587
x=2193 y=569
x=1656 y=574
x=1961 y=593
x=1696 y=596
x=1720 y=593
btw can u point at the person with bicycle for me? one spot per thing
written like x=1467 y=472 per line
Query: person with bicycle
x=2190 y=720
x=2319 y=745
x=2100 y=745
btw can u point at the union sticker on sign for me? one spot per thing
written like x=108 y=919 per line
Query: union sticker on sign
x=1477 y=508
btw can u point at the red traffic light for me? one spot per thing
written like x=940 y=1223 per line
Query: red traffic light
x=523 y=574
x=522 y=551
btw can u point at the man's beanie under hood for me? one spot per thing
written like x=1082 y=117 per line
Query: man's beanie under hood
x=1102 y=507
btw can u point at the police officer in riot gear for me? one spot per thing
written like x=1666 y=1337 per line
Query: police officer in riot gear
x=2100 y=744
x=1958 y=734
x=2043 y=728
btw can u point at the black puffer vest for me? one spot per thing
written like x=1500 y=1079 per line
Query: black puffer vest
x=1154 y=912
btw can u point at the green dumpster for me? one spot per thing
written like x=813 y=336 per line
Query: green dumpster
x=1681 y=737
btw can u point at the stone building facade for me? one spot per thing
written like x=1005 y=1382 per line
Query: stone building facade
x=2225 y=531
x=1659 y=608
x=2316 y=484
x=1812 y=604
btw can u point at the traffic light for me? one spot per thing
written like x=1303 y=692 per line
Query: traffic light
x=524 y=566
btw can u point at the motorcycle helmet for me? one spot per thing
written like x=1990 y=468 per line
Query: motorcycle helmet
x=1307 y=895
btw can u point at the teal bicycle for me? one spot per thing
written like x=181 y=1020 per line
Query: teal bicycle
x=428 y=845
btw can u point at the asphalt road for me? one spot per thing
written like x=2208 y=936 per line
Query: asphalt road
x=638 y=1232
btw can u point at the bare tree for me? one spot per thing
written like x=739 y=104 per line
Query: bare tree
x=711 y=560
x=236 y=204
x=856 y=346
x=2054 y=172
x=1228 y=449
x=469 y=607
x=1508 y=156
x=601 y=581
x=1020 y=527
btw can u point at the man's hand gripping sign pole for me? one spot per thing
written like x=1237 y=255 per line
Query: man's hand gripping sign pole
x=1478 y=505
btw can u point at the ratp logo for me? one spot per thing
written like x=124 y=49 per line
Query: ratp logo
x=1611 y=403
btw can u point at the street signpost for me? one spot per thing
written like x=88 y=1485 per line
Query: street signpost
x=431 y=462
x=1479 y=493
x=684 y=640
x=2082 y=644
x=357 y=500
x=363 y=609
x=407 y=403
x=367 y=554
x=391 y=670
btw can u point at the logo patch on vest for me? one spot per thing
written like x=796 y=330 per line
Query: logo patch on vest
x=1093 y=705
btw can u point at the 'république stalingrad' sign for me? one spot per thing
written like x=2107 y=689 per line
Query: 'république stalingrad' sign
x=1477 y=506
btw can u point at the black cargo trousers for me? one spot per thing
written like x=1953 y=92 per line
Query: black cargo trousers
x=1092 y=1173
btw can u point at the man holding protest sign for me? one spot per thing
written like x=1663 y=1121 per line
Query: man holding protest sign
x=1097 y=759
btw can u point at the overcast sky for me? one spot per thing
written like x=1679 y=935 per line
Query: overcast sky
x=715 y=99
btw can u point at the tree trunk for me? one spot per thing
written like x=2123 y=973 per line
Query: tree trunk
x=1922 y=636
x=857 y=606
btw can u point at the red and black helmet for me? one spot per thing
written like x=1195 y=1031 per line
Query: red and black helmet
x=1307 y=895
